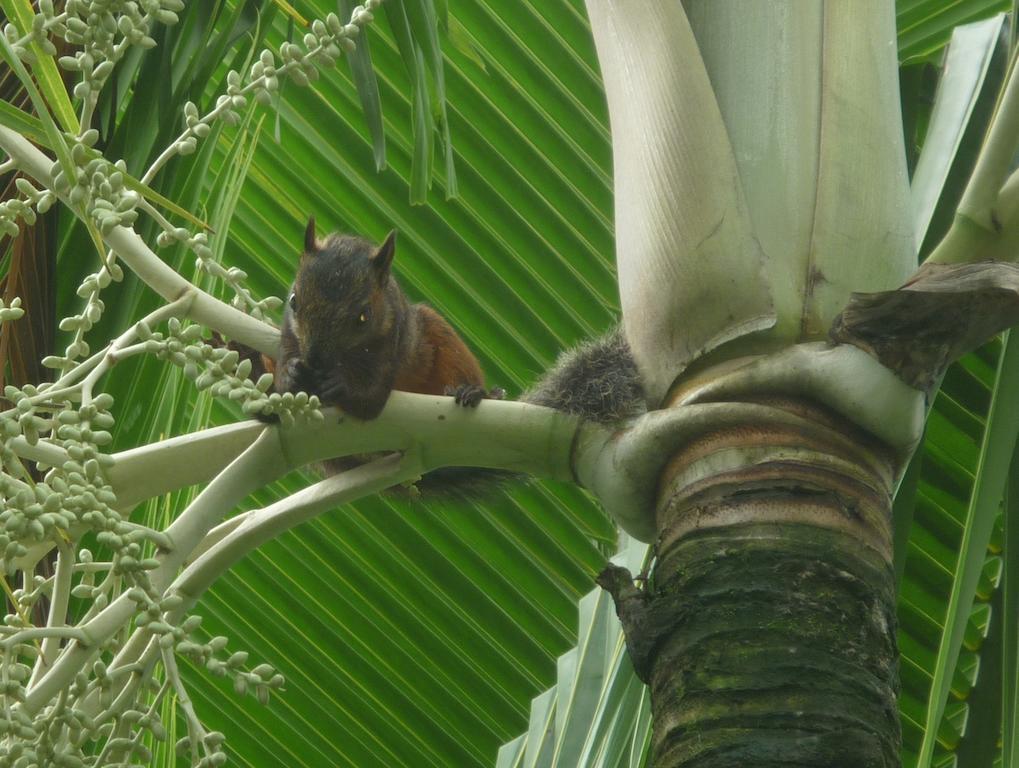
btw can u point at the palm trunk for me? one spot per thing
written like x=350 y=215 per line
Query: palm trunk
x=780 y=576
x=767 y=633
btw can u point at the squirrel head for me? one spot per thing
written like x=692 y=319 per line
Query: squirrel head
x=344 y=297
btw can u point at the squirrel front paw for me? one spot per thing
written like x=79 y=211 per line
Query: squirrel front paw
x=469 y=395
x=296 y=376
x=361 y=403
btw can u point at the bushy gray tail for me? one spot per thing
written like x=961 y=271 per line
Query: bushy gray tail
x=597 y=380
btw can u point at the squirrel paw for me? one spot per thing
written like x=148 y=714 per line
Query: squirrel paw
x=296 y=376
x=467 y=395
x=268 y=418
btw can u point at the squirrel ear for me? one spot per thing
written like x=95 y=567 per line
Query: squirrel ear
x=310 y=244
x=382 y=259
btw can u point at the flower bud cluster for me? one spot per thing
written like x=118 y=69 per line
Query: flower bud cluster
x=102 y=30
x=98 y=185
x=12 y=311
x=207 y=262
x=323 y=45
x=90 y=314
x=260 y=680
x=30 y=739
x=222 y=372
x=25 y=205
x=73 y=494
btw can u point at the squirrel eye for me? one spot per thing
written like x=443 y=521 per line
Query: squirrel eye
x=365 y=314
x=293 y=301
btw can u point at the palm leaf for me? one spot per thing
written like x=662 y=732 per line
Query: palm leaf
x=924 y=26
x=1010 y=622
x=44 y=68
x=943 y=606
x=595 y=714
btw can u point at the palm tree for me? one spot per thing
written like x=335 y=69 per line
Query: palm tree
x=423 y=631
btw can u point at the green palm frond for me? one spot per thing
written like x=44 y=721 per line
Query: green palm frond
x=412 y=633
x=924 y=26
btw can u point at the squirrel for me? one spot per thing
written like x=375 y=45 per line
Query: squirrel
x=350 y=336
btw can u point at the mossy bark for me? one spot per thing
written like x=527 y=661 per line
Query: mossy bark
x=766 y=632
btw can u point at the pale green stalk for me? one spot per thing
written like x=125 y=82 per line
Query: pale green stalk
x=58 y=608
x=205 y=308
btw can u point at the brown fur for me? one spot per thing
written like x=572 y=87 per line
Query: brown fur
x=439 y=360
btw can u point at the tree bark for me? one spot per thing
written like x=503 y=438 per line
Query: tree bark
x=767 y=631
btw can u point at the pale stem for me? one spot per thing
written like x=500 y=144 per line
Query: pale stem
x=133 y=675
x=158 y=468
x=139 y=735
x=60 y=386
x=981 y=196
x=43 y=452
x=118 y=349
x=58 y=608
x=89 y=104
x=45 y=587
x=133 y=663
x=503 y=435
x=205 y=308
x=249 y=471
x=259 y=526
x=35 y=633
x=173 y=147
x=196 y=733
x=131 y=249
x=262 y=525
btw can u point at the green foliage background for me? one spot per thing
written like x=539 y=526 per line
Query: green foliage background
x=410 y=634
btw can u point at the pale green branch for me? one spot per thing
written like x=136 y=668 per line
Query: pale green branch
x=262 y=525
x=177 y=462
x=196 y=731
x=58 y=608
x=502 y=435
x=205 y=308
x=41 y=451
x=249 y=471
x=239 y=536
x=130 y=673
x=118 y=349
x=34 y=633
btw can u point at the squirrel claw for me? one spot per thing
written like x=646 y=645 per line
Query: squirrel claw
x=467 y=395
